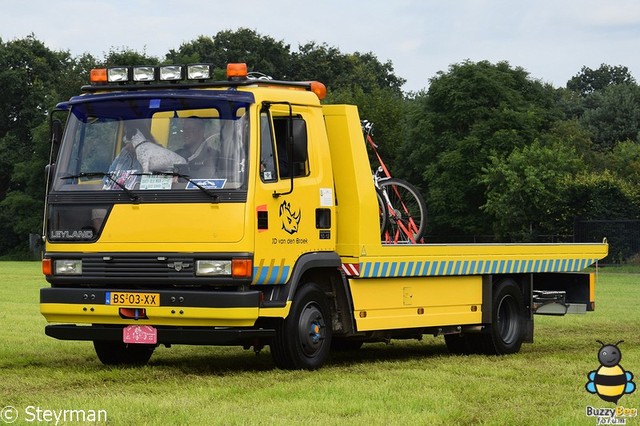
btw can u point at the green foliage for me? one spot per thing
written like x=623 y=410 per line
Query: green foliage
x=127 y=56
x=624 y=161
x=525 y=194
x=589 y=81
x=474 y=113
x=613 y=116
x=602 y=195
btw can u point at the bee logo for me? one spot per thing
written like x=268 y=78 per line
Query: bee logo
x=610 y=381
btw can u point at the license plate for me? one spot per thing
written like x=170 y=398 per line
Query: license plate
x=140 y=334
x=132 y=299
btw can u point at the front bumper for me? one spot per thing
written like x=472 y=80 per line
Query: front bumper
x=179 y=308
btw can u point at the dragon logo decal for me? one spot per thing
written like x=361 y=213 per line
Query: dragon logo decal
x=290 y=220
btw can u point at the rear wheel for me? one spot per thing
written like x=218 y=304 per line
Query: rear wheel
x=506 y=332
x=120 y=353
x=303 y=339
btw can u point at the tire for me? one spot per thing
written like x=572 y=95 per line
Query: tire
x=303 y=339
x=409 y=211
x=382 y=210
x=120 y=353
x=506 y=331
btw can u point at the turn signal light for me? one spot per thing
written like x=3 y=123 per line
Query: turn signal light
x=241 y=268
x=47 y=265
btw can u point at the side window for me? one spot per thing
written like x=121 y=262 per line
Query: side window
x=291 y=161
x=267 y=158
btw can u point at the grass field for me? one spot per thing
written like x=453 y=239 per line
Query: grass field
x=405 y=383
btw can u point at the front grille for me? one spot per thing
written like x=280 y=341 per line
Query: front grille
x=161 y=267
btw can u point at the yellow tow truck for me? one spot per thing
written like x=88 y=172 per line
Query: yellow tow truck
x=182 y=210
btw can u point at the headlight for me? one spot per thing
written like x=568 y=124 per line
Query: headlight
x=68 y=267
x=213 y=267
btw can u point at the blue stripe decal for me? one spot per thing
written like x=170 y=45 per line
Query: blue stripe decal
x=274 y=274
x=365 y=269
x=376 y=268
x=410 y=269
x=434 y=268
x=449 y=267
x=263 y=274
x=278 y=274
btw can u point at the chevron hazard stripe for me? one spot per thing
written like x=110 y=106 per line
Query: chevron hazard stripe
x=351 y=269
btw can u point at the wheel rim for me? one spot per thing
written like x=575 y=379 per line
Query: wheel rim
x=311 y=330
x=507 y=321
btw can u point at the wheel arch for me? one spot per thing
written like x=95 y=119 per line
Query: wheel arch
x=323 y=269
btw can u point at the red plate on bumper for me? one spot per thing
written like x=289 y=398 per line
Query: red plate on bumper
x=140 y=334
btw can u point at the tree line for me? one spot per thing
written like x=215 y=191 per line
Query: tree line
x=495 y=151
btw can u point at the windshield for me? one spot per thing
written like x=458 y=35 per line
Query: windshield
x=132 y=143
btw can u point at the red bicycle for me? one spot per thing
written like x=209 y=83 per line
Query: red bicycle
x=403 y=211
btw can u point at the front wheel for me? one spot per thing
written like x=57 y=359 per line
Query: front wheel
x=303 y=339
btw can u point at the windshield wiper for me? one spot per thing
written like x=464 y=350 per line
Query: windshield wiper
x=213 y=195
x=94 y=175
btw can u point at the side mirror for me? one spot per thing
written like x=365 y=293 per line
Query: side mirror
x=299 y=128
x=56 y=132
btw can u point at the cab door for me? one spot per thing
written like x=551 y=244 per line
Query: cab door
x=295 y=203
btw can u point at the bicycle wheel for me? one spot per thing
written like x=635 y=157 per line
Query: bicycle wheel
x=382 y=209
x=407 y=211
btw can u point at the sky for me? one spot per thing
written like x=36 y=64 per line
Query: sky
x=551 y=39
